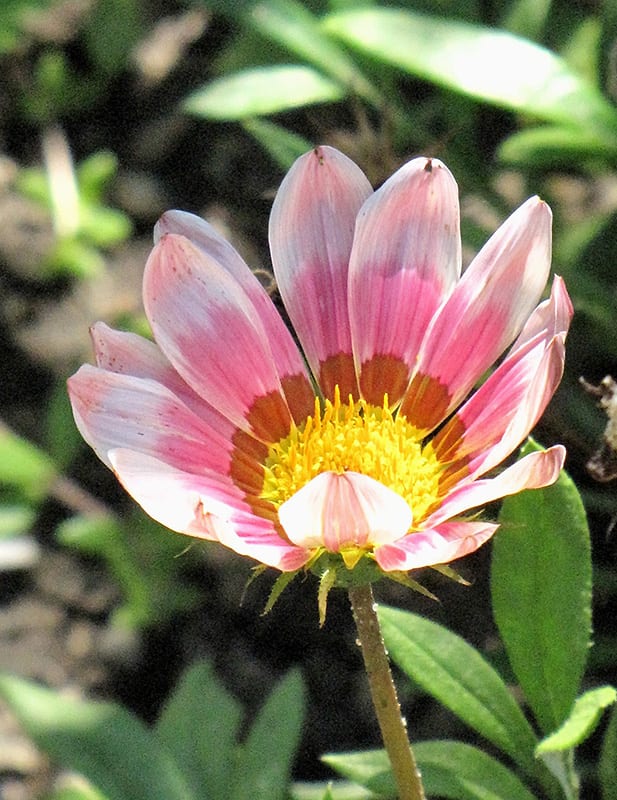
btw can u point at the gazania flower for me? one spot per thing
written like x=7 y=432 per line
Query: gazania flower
x=370 y=441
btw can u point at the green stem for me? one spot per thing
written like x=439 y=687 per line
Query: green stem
x=383 y=693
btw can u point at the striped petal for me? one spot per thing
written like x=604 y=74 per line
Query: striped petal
x=483 y=315
x=205 y=507
x=129 y=354
x=406 y=258
x=438 y=545
x=502 y=412
x=531 y=472
x=114 y=411
x=311 y=233
x=349 y=509
x=211 y=333
x=289 y=362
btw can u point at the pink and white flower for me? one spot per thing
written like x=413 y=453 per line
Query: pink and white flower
x=372 y=442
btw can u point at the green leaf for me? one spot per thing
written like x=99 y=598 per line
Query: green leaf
x=198 y=726
x=491 y=65
x=449 y=769
x=290 y=24
x=102 y=741
x=552 y=146
x=581 y=722
x=541 y=590
x=15 y=520
x=264 y=763
x=262 y=90
x=283 y=146
x=451 y=670
x=333 y=790
x=24 y=466
x=607 y=769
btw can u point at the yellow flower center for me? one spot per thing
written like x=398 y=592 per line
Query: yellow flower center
x=357 y=437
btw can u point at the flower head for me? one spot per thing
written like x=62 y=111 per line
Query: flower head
x=379 y=449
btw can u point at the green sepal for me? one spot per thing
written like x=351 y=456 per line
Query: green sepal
x=447 y=571
x=404 y=579
x=280 y=584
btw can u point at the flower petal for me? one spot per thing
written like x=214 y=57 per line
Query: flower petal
x=205 y=507
x=531 y=472
x=438 y=545
x=285 y=352
x=336 y=510
x=311 y=232
x=501 y=413
x=406 y=257
x=483 y=315
x=129 y=354
x=211 y=333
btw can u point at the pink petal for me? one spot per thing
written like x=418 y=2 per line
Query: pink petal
x=211 y=333
x=406 y=257
x=285 y=352
x=311 y=233
x=438 y=545
x=335 y=510
x=501 y=413
x=120 y=411
x=483 y=315
x=182 y=501
x=203 y=506
x=129 y=354
x=531 y=472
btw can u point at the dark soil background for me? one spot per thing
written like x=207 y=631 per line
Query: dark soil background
x=57 y=607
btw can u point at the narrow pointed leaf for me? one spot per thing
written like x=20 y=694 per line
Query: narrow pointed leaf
x=449 y=769
x=264 y=764
x=541 y=590
x=283 y=145
x=199 y=726
x=290 y=23
x=455 y=673
x=101 y=741
x=494 y=66
x=553 y=146
x=581 y=721
x=607 y=770
x=262 y=90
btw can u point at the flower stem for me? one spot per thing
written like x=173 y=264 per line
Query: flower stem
x=383 y=693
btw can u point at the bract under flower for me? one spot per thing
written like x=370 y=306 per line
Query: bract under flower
x=381 y=452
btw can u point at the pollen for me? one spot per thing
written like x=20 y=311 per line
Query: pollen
x=357 y=437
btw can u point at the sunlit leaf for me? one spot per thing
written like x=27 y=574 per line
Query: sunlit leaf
x=490 y=65
x=554 y=146
x=449 y=769
x=541 y=589
x=262 y=90
x=581 y=721
x=290 y=24
x=454 y=672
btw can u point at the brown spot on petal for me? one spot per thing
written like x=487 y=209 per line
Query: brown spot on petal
x=247 y=458
x=300 y=397
x=426 y=402
x=269 y=417
x=339 y=370
x=381 y=375
x=448 y=441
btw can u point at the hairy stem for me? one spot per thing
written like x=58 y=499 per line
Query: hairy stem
x=383 y=694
